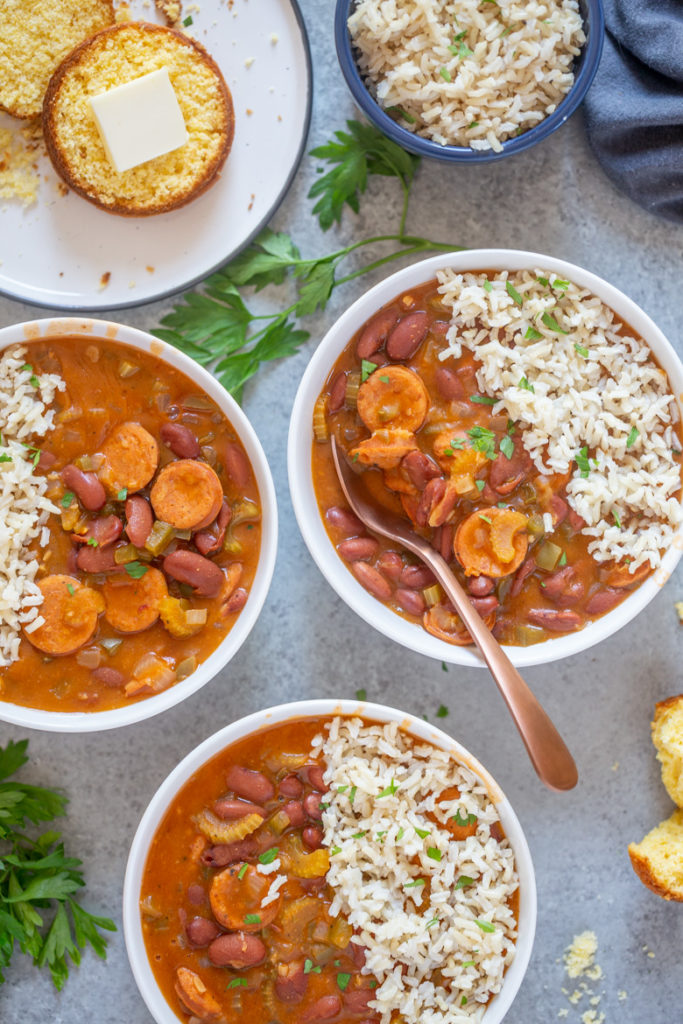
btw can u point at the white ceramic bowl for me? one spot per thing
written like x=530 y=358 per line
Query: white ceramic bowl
x=92 y=721
x=336 y=572
x=132 y=926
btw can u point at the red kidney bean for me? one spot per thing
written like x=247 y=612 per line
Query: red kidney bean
x=407 y=336
x=322 y=1009
x=237 y=950
x=433 y=494
x=312 y=803
x=312 y=837
x=200 y=931
x=419 y=469
x=222 y=854
x=104 y=531
x=564 y=587
x=209 y=541
x=356 y=549
x=337 y=393
x=356 y=1000
x=96 y=559
x=357 y=954
x=344 y=520
x=231 y=810
x=558 y=509
x=108 y=677
x=446 y=536
x=390 y=564
x=314 y=775
x=249 y=784
x=291 y=786
x=411 y=601
x=236 y=601
x=139 y=520
x=603 y=601
x=236 y=465
x=180 y=440
x=196 y=895
x=525 y=569
x=85 y=486
x=556 y=621
x=295 y=812
x=485 y=605
x=291 y=982
x=46 y=460
x=449 y=384
x=372 y=580
x=374 y=333
x=187 y=567
x=575 y=521
x=506 y=474
x=416 y=577
x=480 y=586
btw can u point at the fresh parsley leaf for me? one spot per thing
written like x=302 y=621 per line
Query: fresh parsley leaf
x=416 y=883
x=442 y=712
x=445 y=73
x=483 y=399
x=70 y=588
x=552 y=324
x=5 y=457
x=92 y=542
x=242 y=872
x=463 y=820
x=389 y=790
x=581 y=349
x=483 y=440
x=434 y=853
x=463 y=881
x=563 y=559
x=123 y=494
x=485 y=926
x=532 y=334
x=402 y=113
x=524 y=383
x=366 y=368
x=632 y=437
x=66 y=499
x=136 y=570
x=430 y=924
x=343 y=981
x=237 y=983
x=480 y=484
x=514 y=294
x=617 y=518
x=422 y=833
x=268 y=856
x=581 y=459
x=309 y=968
x=507 y=446
x=252 y=919
x=361 y=694
x=488 y=287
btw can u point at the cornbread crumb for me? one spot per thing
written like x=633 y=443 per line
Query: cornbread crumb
x=123 y=13
x=615 y=766
x=171 y=9
x=678 y=605
x=622 y=995
x=274 y=38
x=667 y=736
x=104 y=280
x=580 y=955
x=576 y=996
x=249 y=61
x=592 y=1017
x=564 y=1012
x=19 y=178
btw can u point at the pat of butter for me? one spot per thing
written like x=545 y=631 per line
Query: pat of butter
x=139 y=120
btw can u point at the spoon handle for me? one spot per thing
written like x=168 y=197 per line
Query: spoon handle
x=549 y=755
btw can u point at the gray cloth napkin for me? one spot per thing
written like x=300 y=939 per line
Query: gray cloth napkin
x=634 y=109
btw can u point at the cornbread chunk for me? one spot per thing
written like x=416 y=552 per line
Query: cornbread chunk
x=658 y=859
x=111 y=58
x=667 y=736
x=35 y=36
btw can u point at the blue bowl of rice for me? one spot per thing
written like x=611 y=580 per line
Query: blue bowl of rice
x=468 y=80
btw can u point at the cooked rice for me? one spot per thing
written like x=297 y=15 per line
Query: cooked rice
x=628 y=495
x=24 y=509
x=375 y=849
x=463 y=72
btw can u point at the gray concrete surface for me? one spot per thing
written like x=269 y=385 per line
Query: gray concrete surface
x=552 y=199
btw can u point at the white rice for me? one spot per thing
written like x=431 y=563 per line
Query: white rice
x=406 y=935
x=467 y=72
x=24 y=509
x=595 y=387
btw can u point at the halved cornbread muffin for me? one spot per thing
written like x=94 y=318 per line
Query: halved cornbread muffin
x=120 y=55
x=35 y=36
x=667 y=736
x=658 y=858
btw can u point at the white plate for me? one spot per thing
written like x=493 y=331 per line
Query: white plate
x=56 y=251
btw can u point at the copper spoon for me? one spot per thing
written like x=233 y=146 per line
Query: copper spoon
x=549 y=755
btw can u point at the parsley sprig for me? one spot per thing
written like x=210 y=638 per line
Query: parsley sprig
x=38 y=910
x=216 y=327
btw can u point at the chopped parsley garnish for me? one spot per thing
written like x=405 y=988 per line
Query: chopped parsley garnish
x=483 y=440
x=136 y=570
x=309 y=968
x=632 y=437
x=416 y=883
x=463 y=881
x=352 y=794
x=532 y=334
x=242 y=871
x=268 y=856
x=463 y=1001
x=485 y=926
x=467 y=963
x=552 y=324
x=501 y=504
x=187 y=22
x=123 y=494
x=400 y=834
x=563 y=558
x=483 y=399
x=524 y=383
x=335 y=850
x=423 y=832
x=480 y=484
x=434 y=853
x=488 y=287
x=380 y=836
x=92 y=542
x=581 y=349
x=430 y=924
x=389 y=790
x=617 y=519
x=473 y=124
x=343 y=981
x=562 y=285
x=445 y=74
x=544 y=281
x=5 y=457
x=459 y=820
x=485 y=518
x=70 y=588
x=67 y=498
x=385 y=380
x=507 y=447
x=366 y=368
x=359 y=835
x=256 y=919
x=513 y=293
x=361 y=694
x=402 y=113
x=461 y=51
x=442 y=712
x=581 y=459
x=235 y=982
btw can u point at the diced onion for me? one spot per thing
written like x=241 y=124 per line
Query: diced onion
x=196 y=616
x=90 y=657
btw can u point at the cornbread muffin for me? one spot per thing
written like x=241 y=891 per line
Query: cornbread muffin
x=35 y=35
x=658 y=859
x=667 y=736
x=110 y=58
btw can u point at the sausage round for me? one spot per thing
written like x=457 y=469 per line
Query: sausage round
x=70 y=611
x=187 y=494
x=131 y=456
x=133 y=605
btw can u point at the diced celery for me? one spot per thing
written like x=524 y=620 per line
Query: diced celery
x=548 y=555
x=160 y=536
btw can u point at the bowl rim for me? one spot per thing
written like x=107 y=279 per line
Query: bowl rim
x=106 y=330
x=421 y=146
x=300 y=444
x=320 y=707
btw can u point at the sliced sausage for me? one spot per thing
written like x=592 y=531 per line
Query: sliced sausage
x=100 y=532
x=139 y=520
x=133 y=605
x=70 y=611
x=200 y=931
x=249 y=784
x=237 y=950
x=374 y=334
x=195 y=996
x=130 y=458
x=555 y=620
x=85 y=486
x=395 y=397
x=235 y=897
x=187 y=567
x=406 y=337
x=187 y=494
x=372 y=580
x=180 y=440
